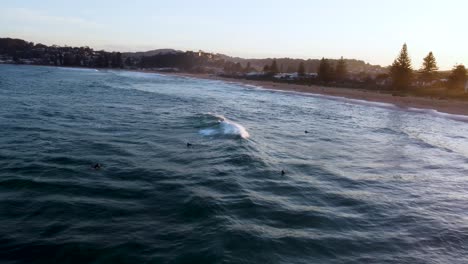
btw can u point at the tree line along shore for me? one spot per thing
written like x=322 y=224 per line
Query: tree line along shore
x=399 y=79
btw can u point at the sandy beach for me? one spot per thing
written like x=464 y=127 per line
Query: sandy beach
x=441 y=105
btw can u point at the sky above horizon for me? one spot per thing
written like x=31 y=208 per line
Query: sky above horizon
x=373 y=31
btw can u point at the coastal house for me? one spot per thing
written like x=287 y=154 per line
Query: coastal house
x=420 y=83
x=383 y=81
x=255 y=74
x=287 y=76
x=312 y=75
x=295 y=76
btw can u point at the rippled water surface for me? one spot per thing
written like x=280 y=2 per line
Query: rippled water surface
x=367 y=184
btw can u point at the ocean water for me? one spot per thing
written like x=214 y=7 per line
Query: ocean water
x=369 y=183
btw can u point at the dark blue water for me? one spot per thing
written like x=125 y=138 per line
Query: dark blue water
x=367 y=184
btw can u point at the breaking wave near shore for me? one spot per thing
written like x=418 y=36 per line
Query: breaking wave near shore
x=220 y=126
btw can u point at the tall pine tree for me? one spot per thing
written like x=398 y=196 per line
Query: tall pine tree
x=248 y=67
x=429 y=67
x=457 y=78
x=325 y=71
x=341 y=70
x=301 y=69
x=274 y=67
x=401 y=70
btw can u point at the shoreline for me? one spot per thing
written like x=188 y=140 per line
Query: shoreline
x=410 y=103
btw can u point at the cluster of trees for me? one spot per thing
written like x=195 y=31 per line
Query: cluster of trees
x=10 y=46
x=272 y=68
x=20 y=51
x=77 y=58
x=457 y=78
x=233 y=68
x=328 y=73
x=403 y=75
x=187 y=61
x=170 y=60
x=290 y=65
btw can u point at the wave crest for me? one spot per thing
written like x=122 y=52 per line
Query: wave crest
x=225 y=127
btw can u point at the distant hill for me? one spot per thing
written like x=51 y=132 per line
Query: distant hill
x=311 y=65
x=151 y=53
x=11 y=45
x=284 y=64
x=17 y=49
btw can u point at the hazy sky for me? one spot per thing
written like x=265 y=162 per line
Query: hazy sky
x=364 y=29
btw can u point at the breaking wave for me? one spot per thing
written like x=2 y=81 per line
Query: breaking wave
x=225 y=127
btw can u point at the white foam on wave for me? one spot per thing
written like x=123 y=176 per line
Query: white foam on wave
x=252 y=86
x=324 y=96
x=434 y=112
x=225 y=127
x=78 y=69
x=357 y=101
x=135 y=74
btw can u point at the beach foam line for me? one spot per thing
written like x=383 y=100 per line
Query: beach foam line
x=252 y=86
x=329 y=97
x=77 y=69
x=359 y=101
x=433 y=112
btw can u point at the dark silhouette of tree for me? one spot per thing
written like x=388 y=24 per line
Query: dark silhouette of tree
x=301 y=69
x=325 y=71
x=266 y=68
x=382 y=78
x=68 y=59
x=429 y=67
x=274 y=67
x=401 y=70
x=290 y=69
x=185 y=61
x=248 y=68
x=457 y=78
x=116 y=60
x=14 y=47
x=60 y=59
x=78 y=60
x=341 y=70
x=128 y=62
x=237 y=67
x=229 y=67
x=102 y=60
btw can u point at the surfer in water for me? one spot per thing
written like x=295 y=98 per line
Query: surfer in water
x=97 y=166
x=189 y=145
x=282 y=172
